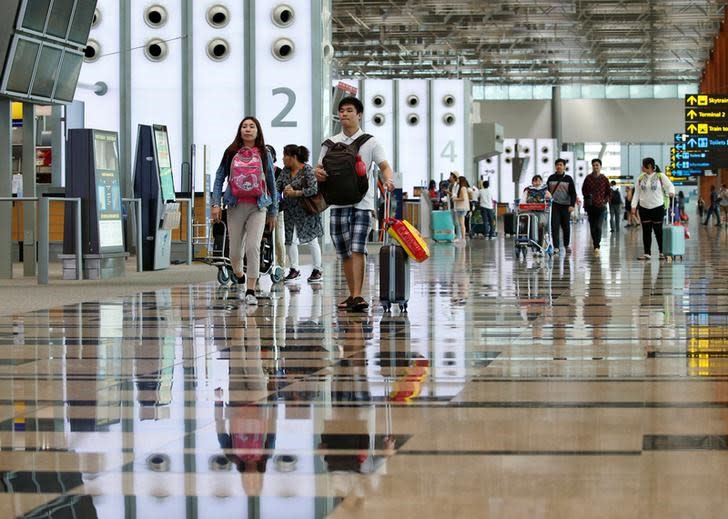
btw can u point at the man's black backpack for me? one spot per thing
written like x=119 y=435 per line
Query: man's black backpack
x=343 y=186
x=616 y=198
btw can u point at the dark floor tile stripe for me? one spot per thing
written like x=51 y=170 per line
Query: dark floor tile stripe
x=667 y=442
x=410 y=452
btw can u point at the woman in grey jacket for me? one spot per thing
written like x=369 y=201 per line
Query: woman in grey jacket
x=296 y=181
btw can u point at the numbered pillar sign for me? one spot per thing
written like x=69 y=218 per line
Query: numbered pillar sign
x=449 y=118
x=218 y=81
x=413 y=132
x=291 y=56
x=101 y=64
x=156 y=70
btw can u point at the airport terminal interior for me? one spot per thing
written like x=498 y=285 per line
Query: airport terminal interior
x=497 y=372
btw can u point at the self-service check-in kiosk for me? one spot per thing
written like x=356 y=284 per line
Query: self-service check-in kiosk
x=154 y=184
x=93 y=175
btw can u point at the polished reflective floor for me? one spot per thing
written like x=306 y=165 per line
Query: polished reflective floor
x=579 y=387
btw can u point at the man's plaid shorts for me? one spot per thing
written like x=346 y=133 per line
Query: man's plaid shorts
x=350 y=230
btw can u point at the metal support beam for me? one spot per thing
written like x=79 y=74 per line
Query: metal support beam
x=125 y=130
x=249 y=68
x=556 y=128
x=29 y=241
x=6 y=176
x=188 y=119
x=57 y=145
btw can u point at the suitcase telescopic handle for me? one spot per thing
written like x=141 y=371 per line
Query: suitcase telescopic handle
x=387 y=210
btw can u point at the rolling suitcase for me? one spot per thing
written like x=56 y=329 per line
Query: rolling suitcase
x=673 y=236
x=477 y=225
x=443 y=226
x=394 y=274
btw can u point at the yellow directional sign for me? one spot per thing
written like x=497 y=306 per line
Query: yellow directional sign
x=706 y=100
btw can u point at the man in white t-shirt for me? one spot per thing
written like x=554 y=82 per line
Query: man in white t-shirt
x=350 y=225
x=485 y=199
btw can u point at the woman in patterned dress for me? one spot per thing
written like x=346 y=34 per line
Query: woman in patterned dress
x=297 y=180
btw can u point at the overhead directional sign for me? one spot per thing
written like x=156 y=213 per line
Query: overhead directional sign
x=704 y=145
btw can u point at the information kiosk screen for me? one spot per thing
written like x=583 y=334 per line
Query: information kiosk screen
x=108 y=192
x=166 y=180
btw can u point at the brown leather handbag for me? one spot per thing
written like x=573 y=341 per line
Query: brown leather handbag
x=314 y=204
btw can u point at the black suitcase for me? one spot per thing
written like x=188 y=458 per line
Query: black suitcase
x=394 y=277
x=509 y=224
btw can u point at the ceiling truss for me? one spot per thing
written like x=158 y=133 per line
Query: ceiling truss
x=526 y=41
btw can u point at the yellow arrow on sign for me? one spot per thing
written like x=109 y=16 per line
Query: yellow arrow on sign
x=692 y=128
x=692 y=100
x=692 y=114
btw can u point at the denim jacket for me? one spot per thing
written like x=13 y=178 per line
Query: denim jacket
x=269 y=200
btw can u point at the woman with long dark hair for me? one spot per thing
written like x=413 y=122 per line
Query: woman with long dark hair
x=251 y=199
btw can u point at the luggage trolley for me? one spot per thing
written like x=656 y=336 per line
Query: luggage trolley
x=528 y=229
x=215 y=241
x=218 y=254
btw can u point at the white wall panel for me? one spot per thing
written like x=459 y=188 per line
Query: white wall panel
x=448 y=112
x=218 y=86
x=378 y=120
x=156 y=86
x=568 y=156
x=579 y=172
x=488 y=169
x=412 y=139
x=527 y=150
x=545 y=157
x=283 y=89
x=102 y=112
x=507 y=190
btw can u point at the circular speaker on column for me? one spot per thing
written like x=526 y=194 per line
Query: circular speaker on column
x=544 y=149
x=156 y=49
x=545 y=160
x=413 y=101
x=378 y=119
x=219 y=463
x=327 y=51
x=413 y=119
x=448 y=119
x=283 y=15
x=218 y=49
x=448 y=100
x=155 y=16
x=489 y=160
x=96 y=20
x=158 y=462
x=283 y=49
x=508 y=160
x=508 y=150
x=218 y=16
x=525 y=149
x=378 y=101
x=92 y=52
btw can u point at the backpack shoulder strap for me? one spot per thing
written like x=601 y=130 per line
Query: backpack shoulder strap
x=359 y=142
x=328 y=143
